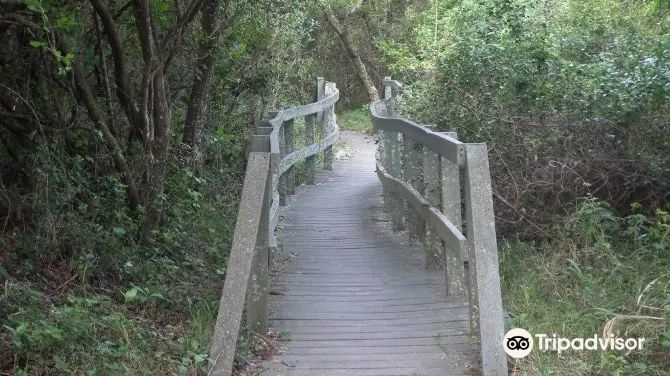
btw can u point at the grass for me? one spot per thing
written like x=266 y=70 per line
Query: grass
x=356 y=120
x=578 y=288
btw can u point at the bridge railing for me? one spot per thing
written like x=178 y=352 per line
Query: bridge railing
x=269 y=180
x=420 y=168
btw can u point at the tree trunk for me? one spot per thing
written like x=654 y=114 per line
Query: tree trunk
x=156 y=117
x=197 y=106
x=342 y=31
x=111 y=142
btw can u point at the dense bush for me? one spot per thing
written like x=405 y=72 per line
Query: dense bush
x=572 y=98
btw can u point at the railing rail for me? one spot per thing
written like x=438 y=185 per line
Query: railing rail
x=419 y=169
x=269 y=180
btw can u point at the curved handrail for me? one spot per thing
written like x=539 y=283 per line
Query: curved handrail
x=294 y=112
x=431 y=186
x=433 y=217
x=439 y=143
x=392 y=83
x=250 y=256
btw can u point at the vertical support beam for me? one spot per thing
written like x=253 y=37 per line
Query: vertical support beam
x=257 y=289
x=413 y=155
x=394 y=149
x=310 y=132
x=281 y=188
x=320 y=94
x=328 y=127
x=486 y=315
x=289 y=145
x=451 y=207
x=274 y=206
x=385 y=155
x=433 y=193
x=383 y=148
x=310 y=138
x=388 y=96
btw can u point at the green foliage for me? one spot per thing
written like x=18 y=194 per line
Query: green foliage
x=580 y=285
x=86 y=291
x=357 y=120
x=570 y=96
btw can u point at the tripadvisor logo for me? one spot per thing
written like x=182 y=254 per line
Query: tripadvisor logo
x=518 y=343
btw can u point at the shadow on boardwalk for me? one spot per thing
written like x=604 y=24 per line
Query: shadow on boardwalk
x=354 y=298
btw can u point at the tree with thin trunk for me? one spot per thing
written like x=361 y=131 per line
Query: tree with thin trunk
x=211 y=15
x=146 y=105
x=342 y=31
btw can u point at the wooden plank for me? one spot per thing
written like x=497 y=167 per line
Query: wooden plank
x=354 y=297
x=243 y=250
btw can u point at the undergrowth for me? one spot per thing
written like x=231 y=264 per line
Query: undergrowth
x=357 y=120
x=81 y=295
x=599 y=274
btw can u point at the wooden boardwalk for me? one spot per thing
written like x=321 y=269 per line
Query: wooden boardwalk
x=351 y=297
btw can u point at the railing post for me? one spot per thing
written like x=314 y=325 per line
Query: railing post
x=289 y=146
x=433 y=189
x=450 y=198
x=413 y=161
x=320 y=94
x=247 y=241
x=394 y=146
x=388 y=94
x=310 y=138
x=486 y=315
x=257 y=289
x=281 y=188
x=328 y=126
x=384 y=149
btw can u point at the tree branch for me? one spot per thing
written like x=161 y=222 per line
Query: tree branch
x=94 y=114
x=122 y=79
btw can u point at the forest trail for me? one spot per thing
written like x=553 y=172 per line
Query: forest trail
x=349 y=296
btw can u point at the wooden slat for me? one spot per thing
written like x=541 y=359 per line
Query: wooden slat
x=353 y=296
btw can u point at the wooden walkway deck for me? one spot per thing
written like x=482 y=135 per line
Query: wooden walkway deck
x=352 y=297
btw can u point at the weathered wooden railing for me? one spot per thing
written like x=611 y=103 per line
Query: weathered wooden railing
x=419 y=169
x=270 y=179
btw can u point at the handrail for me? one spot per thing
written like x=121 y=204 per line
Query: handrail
x=241 y=259
x=392 y=83
x=419 y=172
x=432 y=216
x=269 y=180
x=294 y=112
x=442 y=144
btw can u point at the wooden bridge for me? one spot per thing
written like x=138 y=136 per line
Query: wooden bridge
x=374 y=275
